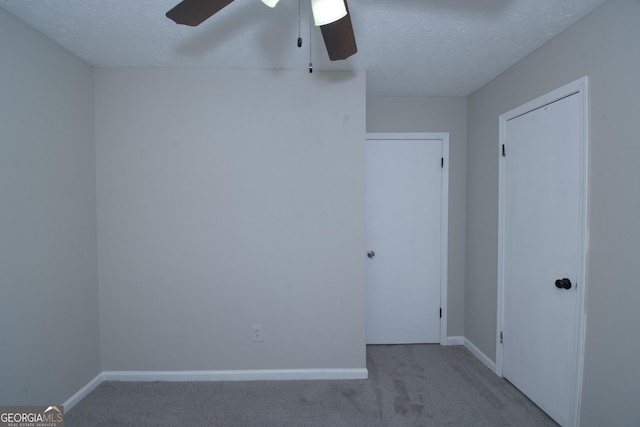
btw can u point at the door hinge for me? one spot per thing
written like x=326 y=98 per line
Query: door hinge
x=441 y=313
x=504 y=154
x=501 y=338
x=442 y=162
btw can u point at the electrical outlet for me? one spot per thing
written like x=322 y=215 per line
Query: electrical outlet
x=257 y=333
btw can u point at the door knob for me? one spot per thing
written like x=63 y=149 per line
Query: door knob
x=371 y=254
x=563 y=283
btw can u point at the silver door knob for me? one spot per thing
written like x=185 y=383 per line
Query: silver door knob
x=371 y=254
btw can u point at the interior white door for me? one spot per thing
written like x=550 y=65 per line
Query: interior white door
x=403 y=196
x=542 y=246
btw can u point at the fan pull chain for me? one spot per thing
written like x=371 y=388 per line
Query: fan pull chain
x=310 y=37
x=299 y=24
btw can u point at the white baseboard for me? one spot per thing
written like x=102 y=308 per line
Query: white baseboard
x=239 y=375
x=480 y=355
x=454 y=341
x=83 y=392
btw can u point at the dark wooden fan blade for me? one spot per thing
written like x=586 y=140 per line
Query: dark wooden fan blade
x=194 y=12
x=339 y=38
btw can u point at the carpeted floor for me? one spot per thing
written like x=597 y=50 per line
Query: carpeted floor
x=408 y=385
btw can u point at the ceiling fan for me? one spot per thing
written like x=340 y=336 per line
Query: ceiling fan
x=332 y=16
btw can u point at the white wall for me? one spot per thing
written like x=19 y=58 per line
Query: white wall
x=228 y=199
x=49 y=344
x=436 y=114
x=603 y=45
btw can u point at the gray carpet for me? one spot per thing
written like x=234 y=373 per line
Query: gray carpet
x=408 y=385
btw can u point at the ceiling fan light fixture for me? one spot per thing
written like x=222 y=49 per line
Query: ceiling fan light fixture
x=270 y=3
x=327 y=11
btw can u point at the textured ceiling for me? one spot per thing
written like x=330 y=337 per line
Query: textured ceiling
x=407 y=47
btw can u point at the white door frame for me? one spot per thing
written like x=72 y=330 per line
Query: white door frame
x=444 y=214
x=579 y=87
